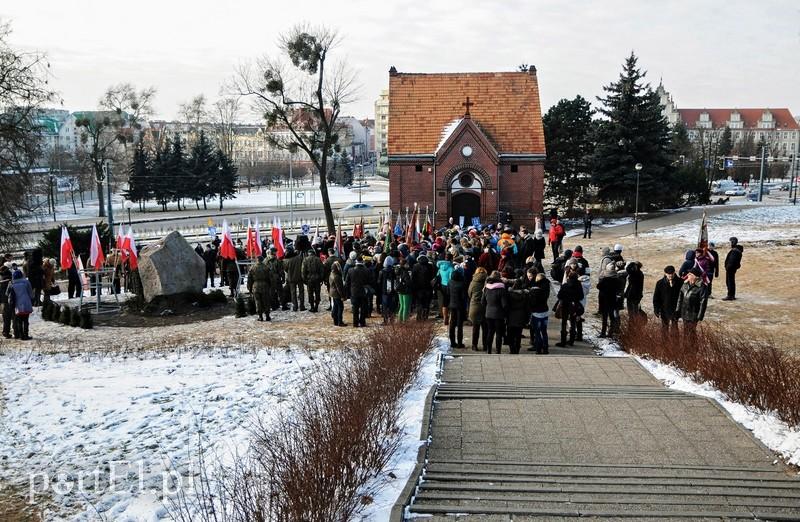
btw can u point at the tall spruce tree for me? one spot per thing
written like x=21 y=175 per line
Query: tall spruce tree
x=725 y=142
x=139 y=176
x=633 y=131
x=160 y=182
x=176 y=170
x=223 y=182
x=202 y=167
x=568 y=134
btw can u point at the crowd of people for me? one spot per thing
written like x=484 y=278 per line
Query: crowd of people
x=492 y=279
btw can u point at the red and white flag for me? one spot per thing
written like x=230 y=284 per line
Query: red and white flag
x=129 y=246
x=96 y=257
x=82 y=274
x=702 y=239
x=253 y=248
x=67 y=252
x=121 y=245
x=337 y=244
x=226 y=249
x=277 y=237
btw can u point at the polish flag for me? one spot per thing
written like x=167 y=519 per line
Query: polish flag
x=277 y=237
x=121 y=245
x=96 y=257
x=129 y=246
x=226 y=249
x=253 y=248
x=67 y=252
x=82 y=274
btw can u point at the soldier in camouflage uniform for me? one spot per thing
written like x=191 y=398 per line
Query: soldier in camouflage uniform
x=278 y=278
x=259 y=284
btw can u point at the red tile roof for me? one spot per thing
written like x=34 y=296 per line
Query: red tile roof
x=750 y=117
x=504 y=104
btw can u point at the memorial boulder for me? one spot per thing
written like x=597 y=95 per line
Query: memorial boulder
x=170 y=267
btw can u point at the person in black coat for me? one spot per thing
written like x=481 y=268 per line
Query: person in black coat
x=569 y=297
x=358 y=279
x=587 y=224
x=635 y=290
x=713 y=271
x=539 y=293
x=608 y=288
x=495 y=301
x=421 y=276
x=457 y=306
x=665 y=298
x=518 y=314
x=733 y=261
x=210 y=260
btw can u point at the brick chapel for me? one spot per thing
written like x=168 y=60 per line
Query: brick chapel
x=466 y=144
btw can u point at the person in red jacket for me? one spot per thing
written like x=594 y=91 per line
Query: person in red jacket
x=557 y=234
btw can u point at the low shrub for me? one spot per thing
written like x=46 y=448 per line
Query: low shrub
x=251 y=306
x=46 y=310
x=87 y=321
x=318 y=461
x=66 y=315
x=749 y=368
x=241 y=307
x=76 y=318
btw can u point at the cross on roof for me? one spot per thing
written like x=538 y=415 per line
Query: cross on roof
x=467 y=104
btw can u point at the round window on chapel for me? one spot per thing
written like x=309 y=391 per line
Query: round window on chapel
x=466 y=180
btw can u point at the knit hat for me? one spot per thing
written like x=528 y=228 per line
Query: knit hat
x=696 y=271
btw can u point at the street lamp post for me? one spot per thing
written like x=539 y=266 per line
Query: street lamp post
x=128 y=206
x=638 y=168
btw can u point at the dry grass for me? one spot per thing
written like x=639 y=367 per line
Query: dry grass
x=15 y=508
x=767 y=283
x=317 y=461
x=750 y=369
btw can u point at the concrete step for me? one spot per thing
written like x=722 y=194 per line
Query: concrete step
x=491 y=390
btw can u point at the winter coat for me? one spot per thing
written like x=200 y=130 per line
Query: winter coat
x=275 y=266
x=526 y=250
x=312 y=269
x=444 y=270
x=715 y=265
x=20 y=294
x=665 y=297
x=359 y=278
x=635 y=289
x=538 y=248
x=403 y=276
x=328 y=265
x=422 y=275
x=293 y=265
x=608 y=288
x=586 y=285
x=458 y=292
x=259 y=279
x=475 y=291
x=336 y=285
x=539 y=294
x=518 y=313
x=210 y=259
x=733 y=261
x=49 y=276
x=387 y=281
x=488 y=261
x=692 y=302
x=5 y=282
x=570 y=293
x=495 y=299
x=557 y=233
x=687 y=265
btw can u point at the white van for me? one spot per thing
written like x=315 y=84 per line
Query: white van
x=723 y=185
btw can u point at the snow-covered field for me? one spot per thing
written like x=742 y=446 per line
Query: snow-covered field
x=133 y=421
x=766 y=427
x=306 y=195
x=761 y=223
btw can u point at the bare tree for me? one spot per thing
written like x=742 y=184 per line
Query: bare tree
x=24 y=90
x=304 y=97
x=117 y=124
x=224 y=118
x=195 y=113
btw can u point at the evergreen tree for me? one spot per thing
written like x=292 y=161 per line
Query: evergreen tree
x=176 y=172
x=224 y=179
x=568 y=133
x=725 y=143
x=160 y=182
x=139 y=176
x=633 y=131
x=202 y=167
x=744 y=170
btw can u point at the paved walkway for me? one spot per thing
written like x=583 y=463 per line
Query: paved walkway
x=570 y=435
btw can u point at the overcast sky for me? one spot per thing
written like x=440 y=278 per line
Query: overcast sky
x=721 y=53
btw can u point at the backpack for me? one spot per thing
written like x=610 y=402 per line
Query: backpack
x=404 y=282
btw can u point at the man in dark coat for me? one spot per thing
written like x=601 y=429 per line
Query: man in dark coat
x=713 y=271
x=587 y=224
x=421 y=276
x=692 y=300
x=358 y=280
x=210 y=260
x=665 y=297
x=635 y=289
x=329 y=261
x=570 y=296
x=495 y=302
x=733 y=261
x=8 y=313
x=313 y=272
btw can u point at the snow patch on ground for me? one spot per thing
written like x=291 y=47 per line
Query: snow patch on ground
x=411 y=419
x=777 y=435
x=63 y=417
x=761 y=223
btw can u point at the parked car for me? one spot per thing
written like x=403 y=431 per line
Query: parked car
x=753 y=194
x=357 y=208
x=738 y=191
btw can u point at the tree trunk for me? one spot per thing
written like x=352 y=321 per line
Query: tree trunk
x=326 y=202
x=100 y=200
x=220 y=201
x=197 y=203
x=74 y=208
x=205 y=204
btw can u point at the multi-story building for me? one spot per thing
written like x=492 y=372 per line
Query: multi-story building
x=58 y=130
x=382 y=132
x=776 y=127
